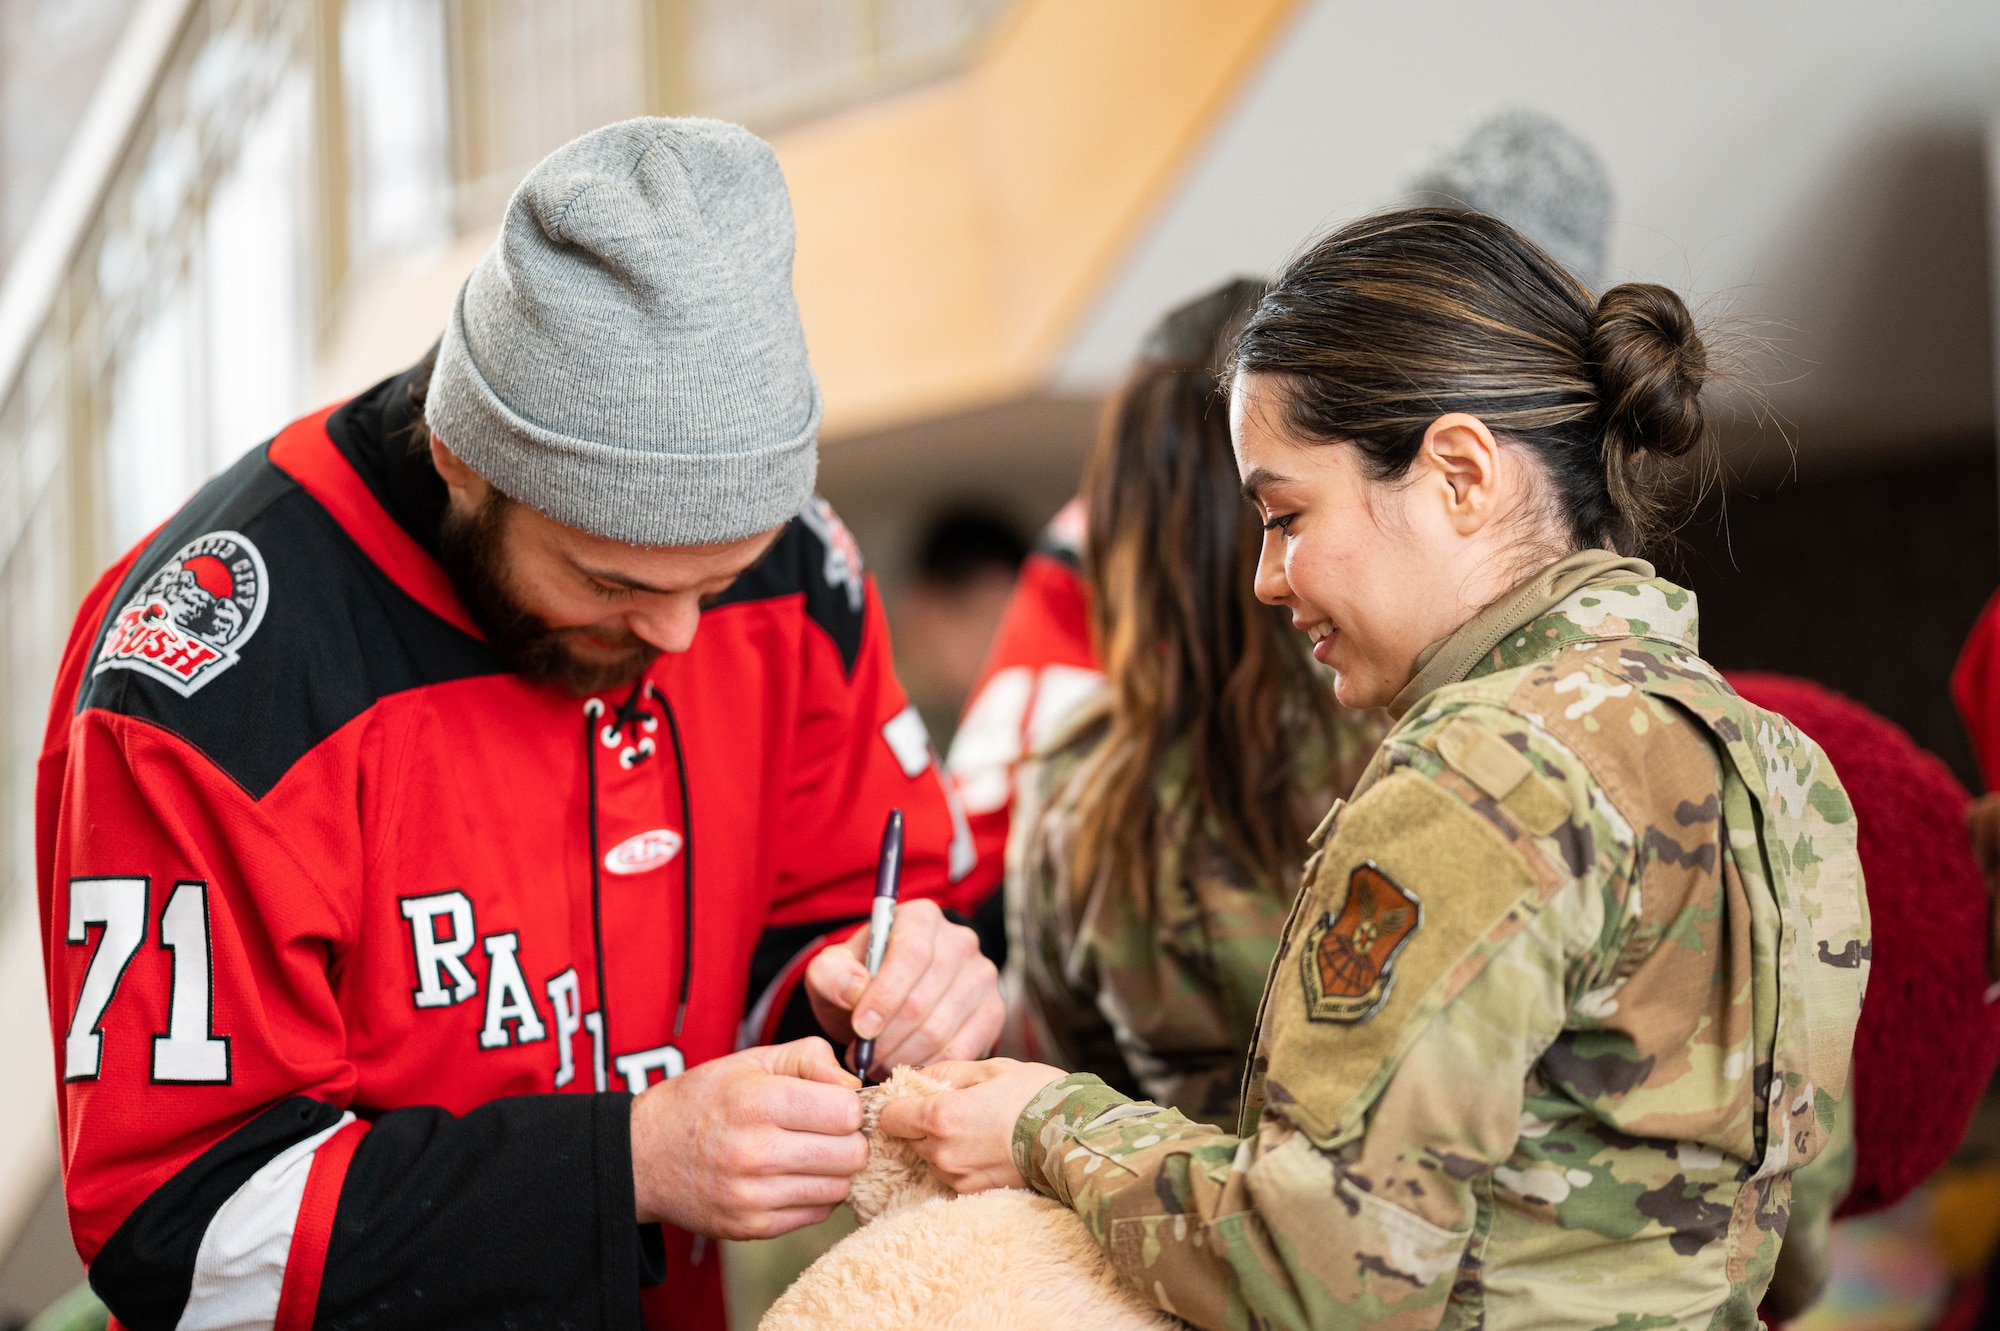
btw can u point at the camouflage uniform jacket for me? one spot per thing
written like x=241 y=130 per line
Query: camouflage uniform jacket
x=1567 y=996
x=1159 y=994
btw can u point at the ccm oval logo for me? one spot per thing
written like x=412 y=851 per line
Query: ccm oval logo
x=643 y=853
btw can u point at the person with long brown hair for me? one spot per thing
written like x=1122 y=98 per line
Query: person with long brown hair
x=1158 y=840
x=1569 y=992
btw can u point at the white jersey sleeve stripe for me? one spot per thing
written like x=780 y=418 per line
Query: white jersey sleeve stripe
x=239 y=1270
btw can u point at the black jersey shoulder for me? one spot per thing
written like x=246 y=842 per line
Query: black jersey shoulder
x=814 y=556
x=268 y=629
x=375 y=431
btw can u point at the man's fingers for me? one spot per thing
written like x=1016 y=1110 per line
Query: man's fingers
x=931 y=1021
x=794 y=1105
x=779 y=1192
x=753 y=1159
x=916 y=1030
x=811 y=1059
x=978 y=1032
x=771 y=1224
x=838 y=975
x=909 y=956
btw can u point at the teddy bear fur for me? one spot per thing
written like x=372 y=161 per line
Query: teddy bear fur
x=925 y=1258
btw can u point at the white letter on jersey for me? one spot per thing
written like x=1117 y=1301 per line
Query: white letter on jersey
x=507 y=997
x=569 y=1020
x=594 y=1023
x=665 y=1060
x=437 y=958
x=119 y=904
x=190 y=1051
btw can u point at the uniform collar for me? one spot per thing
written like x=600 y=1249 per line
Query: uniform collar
x=1589 y=594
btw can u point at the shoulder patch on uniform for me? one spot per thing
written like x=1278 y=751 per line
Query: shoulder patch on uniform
x=1350 y=957
x=254 y=573
x=815 y=556
x=1481 y=757
x=1478 y=892
x=1502 y=772
x=840 y=563
x=186 y=623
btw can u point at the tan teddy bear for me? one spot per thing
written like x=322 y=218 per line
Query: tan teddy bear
x=926 y=1259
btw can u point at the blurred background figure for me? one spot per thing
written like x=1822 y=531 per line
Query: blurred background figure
x=1538 y=177
x=1158 y=835
x=1521 y=167
x=957 y=587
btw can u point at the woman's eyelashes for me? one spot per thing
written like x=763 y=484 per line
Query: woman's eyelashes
x=1281 y=522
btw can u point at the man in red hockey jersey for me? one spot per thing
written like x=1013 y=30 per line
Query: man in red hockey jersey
x=410 y=866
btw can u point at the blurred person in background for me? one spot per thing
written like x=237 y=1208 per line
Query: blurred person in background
x=1518 y=165
x=1157 y=840
x=960 y=580
x=1571 y=989
x=408 y=862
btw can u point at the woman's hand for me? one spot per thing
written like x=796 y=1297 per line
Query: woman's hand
x=967 y=1133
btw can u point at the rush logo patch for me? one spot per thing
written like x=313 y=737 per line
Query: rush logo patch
x=643 y=853
x=843 y=556
x=189 y=621
x=1350 y=955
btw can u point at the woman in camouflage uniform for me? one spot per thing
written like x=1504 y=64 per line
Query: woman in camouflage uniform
x=1157 y=843
x=1569 y=992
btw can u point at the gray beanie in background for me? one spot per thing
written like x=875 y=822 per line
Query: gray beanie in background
x=627 y=358
x=1538 y=177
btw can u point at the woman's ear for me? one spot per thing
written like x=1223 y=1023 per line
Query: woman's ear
x=1466 y=458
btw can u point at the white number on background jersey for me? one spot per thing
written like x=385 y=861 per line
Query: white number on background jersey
x=190 y=1051
x=119 y=905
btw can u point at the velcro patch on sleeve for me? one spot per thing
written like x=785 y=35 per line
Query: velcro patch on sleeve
x=1319 y=834
x=1502 y=772
x=1432 y=846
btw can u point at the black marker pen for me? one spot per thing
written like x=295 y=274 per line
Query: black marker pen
x=881 y=916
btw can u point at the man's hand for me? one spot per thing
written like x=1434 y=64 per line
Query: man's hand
x=748 y=1146
x=1982 y=821
x=935 y=997
x=967 y=1133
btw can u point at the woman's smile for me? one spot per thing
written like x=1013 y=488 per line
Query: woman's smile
x=1321 y=636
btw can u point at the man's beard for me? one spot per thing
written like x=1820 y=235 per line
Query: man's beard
x=472 y=548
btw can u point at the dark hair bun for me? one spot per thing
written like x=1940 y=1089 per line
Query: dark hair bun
x=1650 y=367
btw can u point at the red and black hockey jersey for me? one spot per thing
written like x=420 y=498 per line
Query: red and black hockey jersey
x=1041 y=665
x=358 y=945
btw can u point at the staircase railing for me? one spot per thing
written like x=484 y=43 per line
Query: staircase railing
x=117 y=269
x=185 y=80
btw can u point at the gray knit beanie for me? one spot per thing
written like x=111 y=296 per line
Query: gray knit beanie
x=627 y=358
x=1537 y=176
